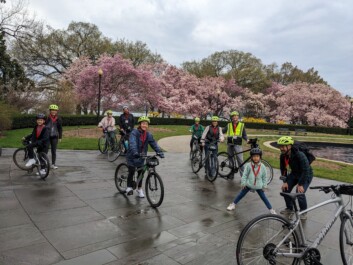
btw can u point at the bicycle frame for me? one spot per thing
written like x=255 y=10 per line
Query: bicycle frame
x=144 y=169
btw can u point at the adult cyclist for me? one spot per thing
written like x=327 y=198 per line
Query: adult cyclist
x=108 y=123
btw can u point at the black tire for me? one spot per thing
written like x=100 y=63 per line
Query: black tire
x=212 y=171
x=196 y=161
x=121 y=174
x=44 y=164
x=269 y=170
x=154 y=189
x=20 y=158
x=114 y=153
x=225 y=164
x=103 y=144
x=194 y=149
x=263 y=234
x=346 y=237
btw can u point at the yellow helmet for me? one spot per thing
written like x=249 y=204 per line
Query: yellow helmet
x=214 y=118
x=53 y=107
x=109 y=112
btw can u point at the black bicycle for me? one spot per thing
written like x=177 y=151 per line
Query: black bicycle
x=21 y=157
x=195 y=147
x=228 y=164
x=153 y=186
x=120 y=147
x=103 y=142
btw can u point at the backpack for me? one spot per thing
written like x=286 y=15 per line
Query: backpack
x=302 y=147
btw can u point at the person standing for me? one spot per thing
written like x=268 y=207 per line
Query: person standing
x=54 y=124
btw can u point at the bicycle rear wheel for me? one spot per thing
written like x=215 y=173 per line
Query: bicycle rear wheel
x=102 y=144
x=258 y=240
x=196 y=161
x=212 y=171
x=269 y=170
x=121 y=174
x=44 y=165
x=154 y=189
x=346 y=241
x=20 y=158
x=225 y=164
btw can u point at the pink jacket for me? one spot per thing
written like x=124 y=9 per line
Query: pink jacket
x=108 y=124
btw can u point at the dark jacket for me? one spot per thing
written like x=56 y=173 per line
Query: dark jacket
x=136 y=148
x=55 y=128
x=126 y=123
x=299 y=165
x=43 y=139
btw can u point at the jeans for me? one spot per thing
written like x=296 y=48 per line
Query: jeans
x=292 y=181
x=232 y=149
x=261 y=193
x=111 y=138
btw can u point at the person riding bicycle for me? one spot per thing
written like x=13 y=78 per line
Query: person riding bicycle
x=301 y=173
x=212 y=134
x=139 y=140
x=196 y=130
x=235 y=131
x=126 y=121
x=54 y=124
x=108 y=123
x=39 y=138
x=254 y=179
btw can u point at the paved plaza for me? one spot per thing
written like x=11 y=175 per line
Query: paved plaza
x=77 y=216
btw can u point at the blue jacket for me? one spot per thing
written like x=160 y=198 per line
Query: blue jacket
x=136 y=148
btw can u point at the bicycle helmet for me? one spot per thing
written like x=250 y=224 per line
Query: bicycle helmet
x=53 y=107
x=214 y=118
x=125 y=107
x=234 y=113
x=256 y=151
x=40 y=116
x=109 y=112
x=144 y=118
x=197 y=119
x=285 y=140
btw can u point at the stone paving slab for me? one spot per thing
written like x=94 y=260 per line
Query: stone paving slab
x=77 y=216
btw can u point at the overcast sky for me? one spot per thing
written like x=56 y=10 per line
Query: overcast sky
x=315 y=33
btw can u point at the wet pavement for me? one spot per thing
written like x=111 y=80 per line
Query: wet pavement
x=77 y=216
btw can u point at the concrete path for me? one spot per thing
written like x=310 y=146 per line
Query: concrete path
x=77 y=216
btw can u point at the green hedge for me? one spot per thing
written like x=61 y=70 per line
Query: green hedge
x=25 y=121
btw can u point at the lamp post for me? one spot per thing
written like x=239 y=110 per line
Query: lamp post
x=100 y=73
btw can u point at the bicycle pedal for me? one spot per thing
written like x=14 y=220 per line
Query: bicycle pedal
x=130 y=192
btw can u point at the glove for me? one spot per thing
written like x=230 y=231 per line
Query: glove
x=136 y=155
x=161 y=155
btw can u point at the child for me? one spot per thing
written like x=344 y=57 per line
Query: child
x=254 y=178
x=197 y=130
x=138 y=144
x=54 y=124
x=108 y=123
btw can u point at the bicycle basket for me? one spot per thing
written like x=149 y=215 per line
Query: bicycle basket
x=346 y=189
x=152 y=161
x=212 y=147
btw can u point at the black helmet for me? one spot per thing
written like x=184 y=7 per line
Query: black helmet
x=40 y=116
x=256 y=151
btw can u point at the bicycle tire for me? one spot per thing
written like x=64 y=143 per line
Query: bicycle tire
x=269 y=170
x=120 y=177
x=212 y=172
x=154 y=194
x=346 y=235
x=103 y=144
x=44 y=163
x=114 y=153
x=20 y=158
x=194 y=148
x=261 y=235
x=196 y=162
x=225 y=164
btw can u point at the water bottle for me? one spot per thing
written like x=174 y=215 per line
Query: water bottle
x=126 y=143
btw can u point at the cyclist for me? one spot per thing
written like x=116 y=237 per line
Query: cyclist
x=54 y=124
x=108 y=123
x=254 y=179
x=300 y=176
x=126 y=121
x=39 y=138
x=236 y=133
x=197 y=130
x=212 y=133
x=139 y=140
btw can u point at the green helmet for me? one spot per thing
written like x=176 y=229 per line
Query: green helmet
x=285 y=140
x=53 y=107
x=197 y=119
x=144 y=118
x=109 y=112
x=214 y=118
x=234 y=113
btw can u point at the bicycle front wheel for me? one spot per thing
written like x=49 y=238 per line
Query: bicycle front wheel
x=269 y=171
x=44 y=165
x=346 y=241
x=121 y=174
x=196 y=161
x=258 y=240
x=115 y=152
x=102 y=144
x=225 y=164
x=154 y=189
x=212 y=171
x=20 y=158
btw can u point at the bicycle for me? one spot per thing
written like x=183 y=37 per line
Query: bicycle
x=273 y=239
x=103 y=143
x=21 y=157
x=154 y=187
x=198 y=162
x=119 y=148
x=195 y=148
x=228 y=164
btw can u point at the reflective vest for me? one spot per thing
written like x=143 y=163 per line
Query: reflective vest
x=238 y=130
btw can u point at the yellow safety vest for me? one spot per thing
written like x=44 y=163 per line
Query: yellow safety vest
x=238 y=130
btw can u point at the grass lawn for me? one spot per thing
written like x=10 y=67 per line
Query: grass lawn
x=85 y=138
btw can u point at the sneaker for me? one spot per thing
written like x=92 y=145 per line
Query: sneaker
x=30 y=162
x=129 y=191
x=54 y=166
x=272 y=211
x=231 y=207
x=140 y=193
x=42 y=172
x=286 y=211
x=304 y=216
